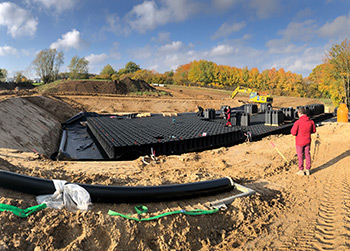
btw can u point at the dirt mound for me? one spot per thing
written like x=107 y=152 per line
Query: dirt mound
x=123 y=87
x=32 y=123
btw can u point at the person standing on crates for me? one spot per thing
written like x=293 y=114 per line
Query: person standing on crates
x=228 y=116
x=302 y=129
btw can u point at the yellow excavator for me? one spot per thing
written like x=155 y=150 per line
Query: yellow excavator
x=253 y=96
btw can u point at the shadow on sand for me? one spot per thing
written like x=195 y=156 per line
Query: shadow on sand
x=332 y=161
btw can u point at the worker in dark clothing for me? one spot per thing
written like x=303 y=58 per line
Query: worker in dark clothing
x=228 y=116
x=302 y=129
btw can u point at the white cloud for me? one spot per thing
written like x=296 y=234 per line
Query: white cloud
x=233 y=53
x=114 y=24
x=266 y=8
x=261 y=8
x=221 y=50
x=114 y=51
x=302 y=62
x=96 y=58
x=58 y=5
x=224 y=4
x=226 y=29
x=305 y=13
x=338 y=28
x=19 y=22
x=69 y=40
x=172 y=47
x=300 y=66
x=148 y=15
x=141 y=53
x=8 y=50
x=163 y=37
x=283 y=46
x=298 y=32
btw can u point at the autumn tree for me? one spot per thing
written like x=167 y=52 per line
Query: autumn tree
x=201 y=72
x=47 y=64
x=323 y=79
x=181 y=74
x=339 y=58
x=78 y=68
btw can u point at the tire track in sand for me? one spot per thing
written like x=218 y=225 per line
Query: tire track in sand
x=326 y=230
x=332 y=225
x=330 y=228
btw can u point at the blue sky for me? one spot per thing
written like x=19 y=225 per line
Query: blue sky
x=162 y=34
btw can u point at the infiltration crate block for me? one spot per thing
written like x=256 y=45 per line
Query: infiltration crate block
x=268 y=117
x=245 y=119
x=288 y=113
x=236 y=119
x=264 y=107
x=277 y=118
x=209 y=113
x=251 y=108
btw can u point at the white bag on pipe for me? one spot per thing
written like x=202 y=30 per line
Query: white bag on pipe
x=71 y=196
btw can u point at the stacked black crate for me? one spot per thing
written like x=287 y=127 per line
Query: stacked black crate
x=245 y=119
x=277 y=118
x=268 y=117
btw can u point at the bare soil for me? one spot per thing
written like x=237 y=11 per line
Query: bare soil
x=289 y=212
x=123 y=87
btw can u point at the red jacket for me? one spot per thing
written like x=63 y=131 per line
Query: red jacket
x=302 y=129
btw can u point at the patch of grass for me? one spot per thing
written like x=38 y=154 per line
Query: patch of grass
x=50 y=87
x=148 y=93
x=198 y=88
x=326 y=101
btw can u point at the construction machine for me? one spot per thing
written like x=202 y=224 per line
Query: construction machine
x=253 y=95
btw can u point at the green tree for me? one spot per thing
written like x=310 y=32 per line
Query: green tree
x=3 y=75
x=78 y=68
x=339 y=58
x=20 y=78
x=47 y=64
x=130 y=67
x=107 y=72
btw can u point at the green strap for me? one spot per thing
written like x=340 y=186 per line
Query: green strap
x=143 y=209
x=23 y=213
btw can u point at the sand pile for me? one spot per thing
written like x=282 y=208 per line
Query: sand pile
x=123 y=87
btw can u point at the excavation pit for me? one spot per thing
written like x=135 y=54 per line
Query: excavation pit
x=90 y=136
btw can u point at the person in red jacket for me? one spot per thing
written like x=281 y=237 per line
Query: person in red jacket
x=302 y=129
x=228 y=116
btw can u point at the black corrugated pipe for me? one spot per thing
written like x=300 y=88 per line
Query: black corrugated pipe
x=116 y=194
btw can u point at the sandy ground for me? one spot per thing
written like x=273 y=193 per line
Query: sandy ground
x=289 y=212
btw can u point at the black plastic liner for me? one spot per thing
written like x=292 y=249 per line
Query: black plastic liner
x=117 y=194
x=76 y=141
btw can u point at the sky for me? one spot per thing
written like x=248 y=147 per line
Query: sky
x=160 y=35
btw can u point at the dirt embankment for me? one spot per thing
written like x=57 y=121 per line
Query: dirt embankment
x=122 y=87
x=32 y=123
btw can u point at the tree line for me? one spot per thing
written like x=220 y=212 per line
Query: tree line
x=331 y=79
